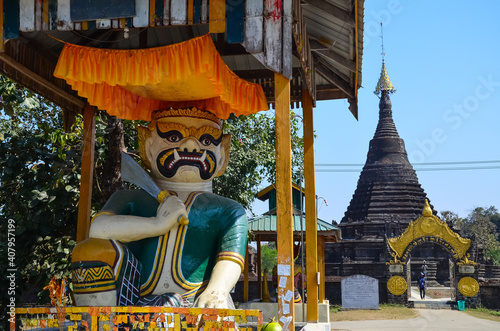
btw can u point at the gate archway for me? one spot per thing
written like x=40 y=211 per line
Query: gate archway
x=428 y=229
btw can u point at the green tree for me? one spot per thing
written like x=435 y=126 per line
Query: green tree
x=39 y=181
x=253 y=160
x=269 y=257
x=480 y=226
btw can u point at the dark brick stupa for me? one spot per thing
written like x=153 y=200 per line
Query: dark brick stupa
x=388 y=196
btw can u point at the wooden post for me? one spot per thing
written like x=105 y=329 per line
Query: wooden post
x=245 y=278
x=284 y=209
x=87 y=171
x=321 y=267
x=311 y=217
x=259 y=269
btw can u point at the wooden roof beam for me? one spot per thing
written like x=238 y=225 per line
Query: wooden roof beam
x=334 y=11
x=332 y=67
x=37 y=47
x=328 y=53
x=40 y=80
x=326 y=92
x=334 y=79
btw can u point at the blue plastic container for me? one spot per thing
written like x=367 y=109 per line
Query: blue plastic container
x=461 y=305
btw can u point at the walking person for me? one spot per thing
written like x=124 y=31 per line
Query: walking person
x=421 y=285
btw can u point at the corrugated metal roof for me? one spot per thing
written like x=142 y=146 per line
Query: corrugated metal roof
x=267 y=223
x=325 y=50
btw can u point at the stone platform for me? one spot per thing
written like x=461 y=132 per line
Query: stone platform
x=429 y=303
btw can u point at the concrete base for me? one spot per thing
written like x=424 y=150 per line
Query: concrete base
x=270 y=310
x=315 y=327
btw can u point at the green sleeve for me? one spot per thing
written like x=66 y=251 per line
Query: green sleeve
x=131 y=202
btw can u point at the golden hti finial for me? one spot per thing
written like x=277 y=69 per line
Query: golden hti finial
x=427 y=209
x=384 y=83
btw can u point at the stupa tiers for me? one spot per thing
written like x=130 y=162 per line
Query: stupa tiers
x=388 y=195
x=387 y=198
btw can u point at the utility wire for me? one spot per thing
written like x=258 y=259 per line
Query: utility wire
x=417 y=169
x=416 y=164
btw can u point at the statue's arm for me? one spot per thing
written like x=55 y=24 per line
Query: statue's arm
x=230 y=260
x=127 y=228
x=224 y=276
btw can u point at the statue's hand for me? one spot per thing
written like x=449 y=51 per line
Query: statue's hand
x=170 y=211
x=212 y=299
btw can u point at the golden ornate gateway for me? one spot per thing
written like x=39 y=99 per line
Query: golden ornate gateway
x=428 y=228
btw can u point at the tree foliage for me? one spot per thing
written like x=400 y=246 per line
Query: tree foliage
x=269 y=257
x=253 y=160
x=483 y=226
x=39 y=187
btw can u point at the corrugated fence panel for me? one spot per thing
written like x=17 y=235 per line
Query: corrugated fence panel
x=217 y=16
x=45 y=15
x=166 y=12
x=204 y=11
x=52 y=14
x=38 y=15
x=159 y=11
x=197 y=11
x=141 y=19
x=64 y=16
x=103 y=24
x=11 y=19
x=100 y=10
x=254 y=26
x=273 y=34
x=235 y=13
x=287 y=38
x=27 y=15
x=178 y=12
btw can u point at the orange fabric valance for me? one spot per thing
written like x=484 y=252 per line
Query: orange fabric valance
x=130 y=84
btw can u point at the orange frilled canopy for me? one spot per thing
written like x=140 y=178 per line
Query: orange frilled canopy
x=130 y=84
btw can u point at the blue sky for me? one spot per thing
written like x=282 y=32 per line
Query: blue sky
x=443 y=58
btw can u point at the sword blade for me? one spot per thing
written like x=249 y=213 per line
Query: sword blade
x=133 y=173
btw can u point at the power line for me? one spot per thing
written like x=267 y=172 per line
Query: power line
x=462 y=168
x=415 y=164
x=417 y=169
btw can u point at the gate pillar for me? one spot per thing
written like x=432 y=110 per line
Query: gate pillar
x=466 y=283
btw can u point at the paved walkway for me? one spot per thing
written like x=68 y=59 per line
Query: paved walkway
x=429 y=319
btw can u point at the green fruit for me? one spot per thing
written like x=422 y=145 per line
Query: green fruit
x=272 y=326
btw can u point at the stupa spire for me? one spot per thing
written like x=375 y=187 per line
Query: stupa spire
x=388 y=195
x=384 y=83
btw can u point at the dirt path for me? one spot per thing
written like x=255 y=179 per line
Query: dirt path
x=428 y=320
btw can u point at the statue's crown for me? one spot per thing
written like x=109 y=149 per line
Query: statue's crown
x=158 y=115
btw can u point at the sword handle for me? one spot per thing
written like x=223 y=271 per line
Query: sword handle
x=182 y=220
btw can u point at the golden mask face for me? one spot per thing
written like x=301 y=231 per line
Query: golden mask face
x=174 y=132
x=184 y=149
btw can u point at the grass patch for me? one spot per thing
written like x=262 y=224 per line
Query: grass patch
x=386 y=312
x=484 y=313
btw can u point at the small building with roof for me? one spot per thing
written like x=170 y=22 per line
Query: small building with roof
x=263 y=228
